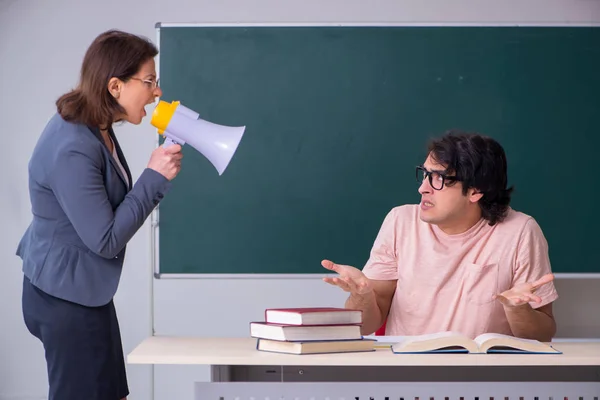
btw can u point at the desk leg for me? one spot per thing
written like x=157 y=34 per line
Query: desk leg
x=220 y=373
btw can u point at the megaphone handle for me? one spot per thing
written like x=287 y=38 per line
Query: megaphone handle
x=168 y=142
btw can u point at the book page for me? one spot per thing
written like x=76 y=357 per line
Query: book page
x=497 y=343
x=382 y=342
x=507 y=339
x=441 y=341
x=429 y=336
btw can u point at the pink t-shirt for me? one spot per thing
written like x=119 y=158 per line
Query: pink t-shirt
x=446 y=282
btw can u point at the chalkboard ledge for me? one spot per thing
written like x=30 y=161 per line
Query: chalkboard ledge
x=557 y=275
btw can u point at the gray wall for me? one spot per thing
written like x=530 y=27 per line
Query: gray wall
x=33 y=73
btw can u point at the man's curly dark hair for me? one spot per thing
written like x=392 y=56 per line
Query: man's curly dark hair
x=478 y=162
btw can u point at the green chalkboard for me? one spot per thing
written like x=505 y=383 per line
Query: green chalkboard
x=338 y=117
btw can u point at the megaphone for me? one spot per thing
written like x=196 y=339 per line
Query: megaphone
x=180 y=125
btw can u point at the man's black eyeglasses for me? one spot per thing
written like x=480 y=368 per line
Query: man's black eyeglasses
x=437 y=179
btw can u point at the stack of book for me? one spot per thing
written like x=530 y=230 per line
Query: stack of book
x=310 y=331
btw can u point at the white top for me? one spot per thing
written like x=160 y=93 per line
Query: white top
x=242 y=351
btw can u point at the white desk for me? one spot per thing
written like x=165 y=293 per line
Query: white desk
x=239 y=367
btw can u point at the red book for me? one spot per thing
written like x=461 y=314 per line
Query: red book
x=313 y=316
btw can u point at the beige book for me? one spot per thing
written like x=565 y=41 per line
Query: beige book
x=315 y=347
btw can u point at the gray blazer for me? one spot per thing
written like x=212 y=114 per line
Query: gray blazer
x=84 y=213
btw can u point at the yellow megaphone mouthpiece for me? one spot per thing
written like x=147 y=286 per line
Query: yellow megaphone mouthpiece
x=162 y=114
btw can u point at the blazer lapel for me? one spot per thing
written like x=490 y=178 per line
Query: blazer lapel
x=96 y=132
x=121 y=159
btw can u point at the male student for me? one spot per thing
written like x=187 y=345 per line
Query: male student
x=462 y=259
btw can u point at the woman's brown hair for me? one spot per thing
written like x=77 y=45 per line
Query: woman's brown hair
x=112 y=54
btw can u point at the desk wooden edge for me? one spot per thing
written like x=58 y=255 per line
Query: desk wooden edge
x=188 y=350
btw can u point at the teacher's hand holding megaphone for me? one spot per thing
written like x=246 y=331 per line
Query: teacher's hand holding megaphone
x=166 y=161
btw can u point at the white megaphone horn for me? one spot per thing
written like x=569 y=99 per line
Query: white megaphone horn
x=178 y=124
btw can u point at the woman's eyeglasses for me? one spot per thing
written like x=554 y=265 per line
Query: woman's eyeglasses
x=152 y=84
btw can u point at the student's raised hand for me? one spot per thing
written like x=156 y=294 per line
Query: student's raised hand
x=523 y=293
x=350 y=279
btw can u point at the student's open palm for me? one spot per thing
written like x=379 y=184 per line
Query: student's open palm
x=350 y=279
x=523 y=293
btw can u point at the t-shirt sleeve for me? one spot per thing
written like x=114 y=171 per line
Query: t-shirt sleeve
x=382 y=263
x=533 y=262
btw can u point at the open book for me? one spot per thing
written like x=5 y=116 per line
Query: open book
x=452 y=342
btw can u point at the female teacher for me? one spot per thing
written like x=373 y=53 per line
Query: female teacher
x=85 y=209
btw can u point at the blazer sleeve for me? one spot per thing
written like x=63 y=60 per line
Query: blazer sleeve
x=78 y=184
